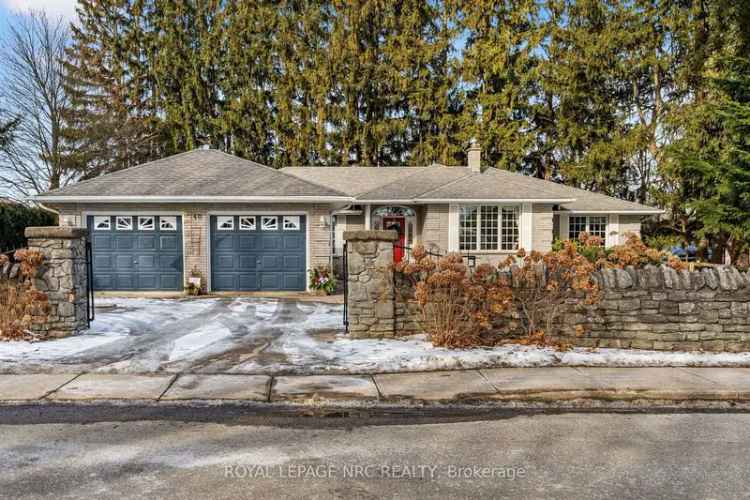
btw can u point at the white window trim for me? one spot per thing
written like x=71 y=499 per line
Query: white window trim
x=124 y=217
x=220 y=220
x=295 y=220
x=100 y=218
x=141 y=227
x=454 y=223
x=264 y=218
x=587 y=229
x=252 y=226
x=170 y=219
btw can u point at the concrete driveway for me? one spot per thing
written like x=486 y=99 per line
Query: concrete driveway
x=208 y=335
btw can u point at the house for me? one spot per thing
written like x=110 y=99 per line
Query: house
x=243 y=226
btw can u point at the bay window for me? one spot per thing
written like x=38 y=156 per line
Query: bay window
x=487 y=228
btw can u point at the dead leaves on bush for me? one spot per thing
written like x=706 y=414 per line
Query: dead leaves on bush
x=21 y=303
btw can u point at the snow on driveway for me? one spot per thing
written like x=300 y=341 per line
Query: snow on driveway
x=252 y=335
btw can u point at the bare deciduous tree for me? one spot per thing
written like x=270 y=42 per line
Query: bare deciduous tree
x=31 y=87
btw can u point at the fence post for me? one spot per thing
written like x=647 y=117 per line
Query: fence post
x=63 y=277
x=370 y=289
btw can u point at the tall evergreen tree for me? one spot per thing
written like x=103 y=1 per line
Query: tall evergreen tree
x=498 y=70
x=115 y=118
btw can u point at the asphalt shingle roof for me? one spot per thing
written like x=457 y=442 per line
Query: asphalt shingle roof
x=211 y=173
x=201 y=172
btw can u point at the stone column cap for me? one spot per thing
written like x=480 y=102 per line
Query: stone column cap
x=371 y=235
x=55 y=232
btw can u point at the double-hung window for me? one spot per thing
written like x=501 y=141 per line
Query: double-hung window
x=593 y=225
x=488 y=228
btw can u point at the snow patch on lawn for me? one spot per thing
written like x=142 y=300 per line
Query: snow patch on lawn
x=255 y=335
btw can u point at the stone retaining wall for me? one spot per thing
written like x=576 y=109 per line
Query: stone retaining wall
x=63 y=277
x=649 y=308
x=663 y=309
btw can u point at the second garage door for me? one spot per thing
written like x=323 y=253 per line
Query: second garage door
x=258 y=252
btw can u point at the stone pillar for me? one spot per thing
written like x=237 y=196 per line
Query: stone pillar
x=63 y=277
x=370 y=288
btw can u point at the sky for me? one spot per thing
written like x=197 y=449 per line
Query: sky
x=55 y=8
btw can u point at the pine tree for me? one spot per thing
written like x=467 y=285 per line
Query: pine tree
x=498 y=70
x=115 y=120
x=187 y=65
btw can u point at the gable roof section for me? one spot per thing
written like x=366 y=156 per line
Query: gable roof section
x=213 y=176
x=414 y=186
x=351 y=180
x=193 y=176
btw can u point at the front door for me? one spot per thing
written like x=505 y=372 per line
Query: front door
x=397 y=224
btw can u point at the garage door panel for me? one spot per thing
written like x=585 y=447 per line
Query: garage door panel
x=271 y=242
x=247 y=262
x=170 y=282
x=294 y=281
x=148 y=282
x=146 y=262
x=258 y=260
x=124 y=262
x=224 y=262
x=223 y=241
x=170 y=263
x=103 y=262
x=294 y=262
x=293 y=243
x=147 y=242
x=247 y=242
x=125 y=281
x=270 y=281
x=137 y=260
x=223 y=281
x=271 y=262
x=103 y=281
x=248 y=281
x=169 y=242
x=103 y=242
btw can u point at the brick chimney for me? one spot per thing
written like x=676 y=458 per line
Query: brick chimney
x=475 y=157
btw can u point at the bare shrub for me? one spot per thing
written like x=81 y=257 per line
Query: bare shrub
x=21 y=304
x=457 y=306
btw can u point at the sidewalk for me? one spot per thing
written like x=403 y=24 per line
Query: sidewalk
x=555 y=384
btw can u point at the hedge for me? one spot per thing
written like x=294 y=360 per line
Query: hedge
x=15 y=218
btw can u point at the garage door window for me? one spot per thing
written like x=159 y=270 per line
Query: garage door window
x=225 y=223
x=247 y=223
x=168 y=223
x=269 y=223
x=291 y=223
x=145 y=223
x=102 y=223
x=124 y=224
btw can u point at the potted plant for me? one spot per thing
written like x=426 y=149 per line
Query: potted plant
x=322 y=281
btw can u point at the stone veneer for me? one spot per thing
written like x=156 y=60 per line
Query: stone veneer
x=63 y=277
x=370 y=291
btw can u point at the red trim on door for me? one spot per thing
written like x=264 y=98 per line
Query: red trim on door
x=399 y=224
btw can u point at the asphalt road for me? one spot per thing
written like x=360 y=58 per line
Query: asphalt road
x=579 y=455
